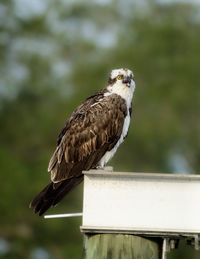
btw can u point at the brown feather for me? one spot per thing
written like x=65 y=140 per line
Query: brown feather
x=92 y=133
x=93 y=129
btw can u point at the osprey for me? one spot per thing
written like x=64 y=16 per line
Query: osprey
x=90 y=138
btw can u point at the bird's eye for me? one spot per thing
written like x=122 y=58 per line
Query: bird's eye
x=120 y=77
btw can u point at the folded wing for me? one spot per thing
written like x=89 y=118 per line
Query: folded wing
x=94 y=128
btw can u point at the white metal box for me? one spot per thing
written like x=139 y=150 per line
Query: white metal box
x=141 y=202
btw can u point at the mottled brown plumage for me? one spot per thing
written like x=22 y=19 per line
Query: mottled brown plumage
x=93 y=129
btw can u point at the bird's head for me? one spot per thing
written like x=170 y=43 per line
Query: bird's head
x=121 y=82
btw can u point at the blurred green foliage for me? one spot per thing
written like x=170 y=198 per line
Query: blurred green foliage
x=55 y=55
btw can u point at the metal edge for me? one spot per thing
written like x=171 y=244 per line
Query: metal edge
x=142 y=176
x=152 y=233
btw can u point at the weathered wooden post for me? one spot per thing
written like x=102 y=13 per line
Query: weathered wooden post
x=104 y=246
x=138 y=215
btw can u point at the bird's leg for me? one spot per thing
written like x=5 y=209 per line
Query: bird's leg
x=99 y=167
x=104 y=168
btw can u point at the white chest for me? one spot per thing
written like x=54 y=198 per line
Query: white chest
x=109 y=154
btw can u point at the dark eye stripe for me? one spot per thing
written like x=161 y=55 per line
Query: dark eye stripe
x=111 y=81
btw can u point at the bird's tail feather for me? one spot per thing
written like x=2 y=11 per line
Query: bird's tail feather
x=52 y=194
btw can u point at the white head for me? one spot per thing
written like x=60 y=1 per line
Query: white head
x=121 y=82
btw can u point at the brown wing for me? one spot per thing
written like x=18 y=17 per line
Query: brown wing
x=93 y=129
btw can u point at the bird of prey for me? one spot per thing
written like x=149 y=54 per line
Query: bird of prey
x=90 y=138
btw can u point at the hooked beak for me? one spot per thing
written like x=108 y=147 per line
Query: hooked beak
x=126 y=80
